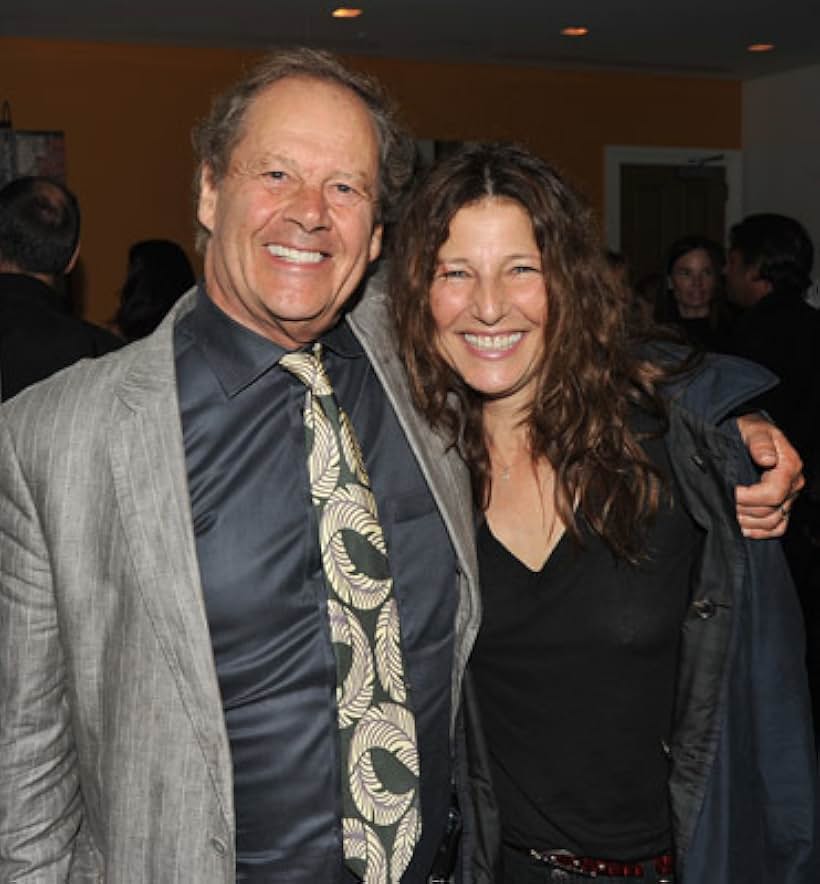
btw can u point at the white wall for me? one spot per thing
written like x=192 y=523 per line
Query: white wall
x=781 y=148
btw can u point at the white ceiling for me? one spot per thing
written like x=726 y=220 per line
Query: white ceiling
x=677 y=36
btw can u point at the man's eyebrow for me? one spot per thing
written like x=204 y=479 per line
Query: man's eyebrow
x=274 y=159
x=279 y=159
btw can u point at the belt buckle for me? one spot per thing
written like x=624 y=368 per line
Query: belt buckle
x=563 y=861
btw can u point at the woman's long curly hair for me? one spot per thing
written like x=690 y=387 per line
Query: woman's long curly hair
x=591 y=375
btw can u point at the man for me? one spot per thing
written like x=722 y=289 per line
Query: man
x=39 y=244
x=767 y=275
x=168 y=672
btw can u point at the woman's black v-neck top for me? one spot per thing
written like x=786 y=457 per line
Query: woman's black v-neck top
x=575 y=670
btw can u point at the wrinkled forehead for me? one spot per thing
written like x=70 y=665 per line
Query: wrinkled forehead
x=308 y=113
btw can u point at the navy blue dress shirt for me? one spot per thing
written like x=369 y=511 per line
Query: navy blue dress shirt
x=266 y=598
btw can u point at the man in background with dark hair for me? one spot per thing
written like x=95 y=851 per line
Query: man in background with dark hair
x=39 y=243
x=767 y=275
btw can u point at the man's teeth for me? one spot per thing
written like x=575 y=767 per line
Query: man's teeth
x=296 y=255
x=493 y=342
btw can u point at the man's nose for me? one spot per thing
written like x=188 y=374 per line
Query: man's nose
x=308 y=208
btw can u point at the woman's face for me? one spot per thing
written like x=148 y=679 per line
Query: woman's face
x=693 y=280
x=489 y=299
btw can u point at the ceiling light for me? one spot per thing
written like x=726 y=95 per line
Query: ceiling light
x=760 y=47
x=347 y=12
x=575 y=31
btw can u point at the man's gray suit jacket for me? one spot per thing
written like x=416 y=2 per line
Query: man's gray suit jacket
x=114 y=758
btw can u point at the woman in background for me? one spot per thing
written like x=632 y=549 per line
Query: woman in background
x=693 y=296
x=630 y=695
x=159 y=272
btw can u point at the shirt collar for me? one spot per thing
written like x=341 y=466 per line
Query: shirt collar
x=238 y=356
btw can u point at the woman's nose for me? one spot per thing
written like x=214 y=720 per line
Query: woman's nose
x=489 y=301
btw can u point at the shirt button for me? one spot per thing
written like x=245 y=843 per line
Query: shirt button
x=705 y=608
x=219 y=846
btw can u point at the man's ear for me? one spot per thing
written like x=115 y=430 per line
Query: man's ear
x=375 y=242
x=208 y=193
x=762 y=286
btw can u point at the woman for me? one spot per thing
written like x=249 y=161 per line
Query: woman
x=693 y=298
x=627 y=713
x=158 y=274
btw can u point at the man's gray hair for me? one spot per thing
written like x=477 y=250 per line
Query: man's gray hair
x=215 y=137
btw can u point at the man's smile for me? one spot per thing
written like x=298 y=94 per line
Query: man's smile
x=297 y=256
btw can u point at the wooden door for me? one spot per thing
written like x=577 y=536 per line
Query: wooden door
x=659 y=204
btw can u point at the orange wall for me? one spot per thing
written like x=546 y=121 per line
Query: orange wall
x=127 y=112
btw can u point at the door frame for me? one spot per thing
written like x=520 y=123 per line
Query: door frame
x=618 y=155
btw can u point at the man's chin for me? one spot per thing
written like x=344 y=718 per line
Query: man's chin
x=297 y=333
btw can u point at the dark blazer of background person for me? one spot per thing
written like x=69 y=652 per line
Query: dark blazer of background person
x=39 y=244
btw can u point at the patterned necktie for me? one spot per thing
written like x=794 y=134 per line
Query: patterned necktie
x=377 y=729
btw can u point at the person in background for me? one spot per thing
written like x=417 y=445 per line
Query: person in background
x=158 y=274
x=768 y=272
x=39 y=245
x=692 y=297
x=638 y=671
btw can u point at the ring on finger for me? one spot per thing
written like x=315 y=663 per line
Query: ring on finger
x=783 y=511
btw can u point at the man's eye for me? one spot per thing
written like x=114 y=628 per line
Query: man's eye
x=342 y=193
x=276 y=175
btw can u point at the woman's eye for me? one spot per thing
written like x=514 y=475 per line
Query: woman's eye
x=521 y=269
x=453 y=274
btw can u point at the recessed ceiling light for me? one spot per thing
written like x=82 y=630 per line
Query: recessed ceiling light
x=347 y=12
x=575 y=31
x=760 y=47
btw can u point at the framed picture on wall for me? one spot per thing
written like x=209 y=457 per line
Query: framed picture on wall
x=25 y=152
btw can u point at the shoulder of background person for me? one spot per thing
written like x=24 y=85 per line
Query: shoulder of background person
x=102 y=340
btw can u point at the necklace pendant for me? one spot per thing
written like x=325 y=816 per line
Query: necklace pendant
x=505 y=473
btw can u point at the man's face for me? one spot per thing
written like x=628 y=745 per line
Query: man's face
x=744 y=287
x=293 y=221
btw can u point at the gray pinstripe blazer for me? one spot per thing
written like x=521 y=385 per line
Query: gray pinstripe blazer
x=114 y=759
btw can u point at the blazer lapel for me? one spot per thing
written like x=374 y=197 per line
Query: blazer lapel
x=148 y=464
x=445 y=472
